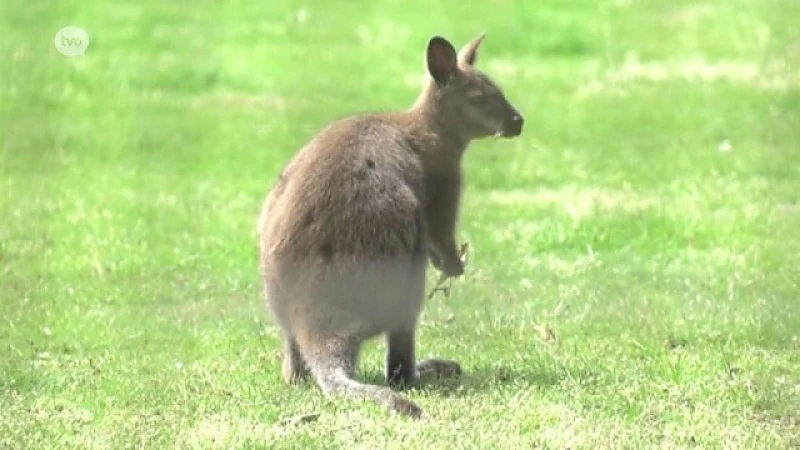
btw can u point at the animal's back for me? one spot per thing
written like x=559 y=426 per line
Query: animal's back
x=351 y=190
x=344 y=227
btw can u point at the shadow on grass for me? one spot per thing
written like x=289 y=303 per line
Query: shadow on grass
x=477 y=380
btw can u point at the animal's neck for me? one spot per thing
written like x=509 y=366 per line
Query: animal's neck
x=433 y=129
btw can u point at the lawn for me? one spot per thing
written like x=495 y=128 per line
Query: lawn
x=634 y=276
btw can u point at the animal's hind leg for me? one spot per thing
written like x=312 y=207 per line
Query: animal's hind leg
x=401 y=363
x=402 y=368
x=295 y=369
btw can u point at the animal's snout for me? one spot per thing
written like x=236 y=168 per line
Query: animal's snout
x=513 y=126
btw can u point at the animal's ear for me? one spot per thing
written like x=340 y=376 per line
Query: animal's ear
x=442 y=60
x=469 y=53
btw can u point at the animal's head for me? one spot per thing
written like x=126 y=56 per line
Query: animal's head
x=465 y=97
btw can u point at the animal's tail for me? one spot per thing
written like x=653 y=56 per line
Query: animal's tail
x=334 y=372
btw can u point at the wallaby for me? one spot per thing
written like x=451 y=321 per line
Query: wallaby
x=348 y=229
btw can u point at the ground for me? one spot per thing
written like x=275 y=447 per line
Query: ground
x=634 y=269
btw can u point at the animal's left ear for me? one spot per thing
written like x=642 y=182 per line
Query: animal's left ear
x=469 y=53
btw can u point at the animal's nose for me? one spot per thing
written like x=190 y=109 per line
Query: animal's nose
x=514 y=127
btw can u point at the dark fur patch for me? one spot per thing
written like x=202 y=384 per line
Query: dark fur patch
x=326 y=250
x=308 y=219
x=370 y=164
x=418 y=246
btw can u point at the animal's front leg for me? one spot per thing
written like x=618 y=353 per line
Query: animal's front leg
x=441 y=217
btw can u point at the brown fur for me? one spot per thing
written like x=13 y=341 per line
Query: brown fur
x=347 y=230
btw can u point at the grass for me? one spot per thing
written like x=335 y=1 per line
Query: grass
x=665 y=267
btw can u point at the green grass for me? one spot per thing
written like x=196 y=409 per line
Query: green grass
x=131 y=313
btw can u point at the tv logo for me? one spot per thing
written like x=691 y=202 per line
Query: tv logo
x=72 y=41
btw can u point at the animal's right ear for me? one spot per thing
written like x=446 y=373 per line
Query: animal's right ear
x=442 y=60
x=469 y=53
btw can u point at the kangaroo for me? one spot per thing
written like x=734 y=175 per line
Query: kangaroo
x=348 y=229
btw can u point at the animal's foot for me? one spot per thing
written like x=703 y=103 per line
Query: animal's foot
x=440 y=368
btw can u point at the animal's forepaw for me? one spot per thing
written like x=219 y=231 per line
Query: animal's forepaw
x=454 y=264
x=453 y=267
